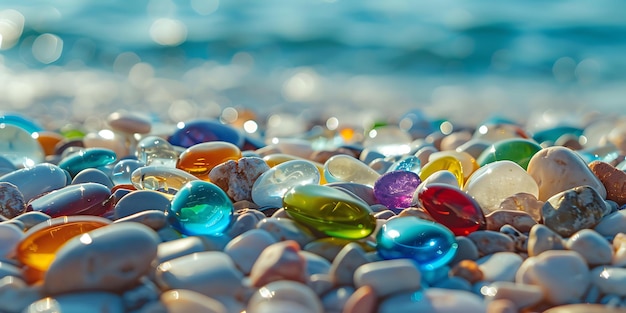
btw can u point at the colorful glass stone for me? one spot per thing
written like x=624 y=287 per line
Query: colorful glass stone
x=453 y=208
x=200 y=159
x=84 y=199
x=554 y=133
x=468 y=163
x=517 y=150
x=395 y=189
x=195 y=132
x=19 y=121
x=277 y=158
x=268 y=190
x=122 y=171
x=19 y=147
x=200 y=208
x=409 y=163
x=37 y=250
x=344 y=168
x=87 y=158
x=160 y=178
x=154 y=150
x=48 y=140
x=429 y=244
x=329 y=211
x=449 y=163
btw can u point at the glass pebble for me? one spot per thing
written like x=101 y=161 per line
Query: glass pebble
x=33 y=181
x=153 y=150
x=453 y=208
x=329 y=211
x=344 y=168
x=37 y=250
x=18 y=146
x=277 y=158
x=84 y=199
x=468 y=163
x=200 y=159
x=268 y=190
x=19 y=121
x=395 y=189
x=122 y=171
x=497 y=131
x=517 y=150
x=429 y=244
x=48 y=141
x=446 y=162
x=200 y=208
x=409 y=163
x=160 y=178
x=87 y=158
x=195 y=132
x=554 y=133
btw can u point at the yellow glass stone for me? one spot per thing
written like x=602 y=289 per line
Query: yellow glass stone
x=278 y=158
x=468 y=163
x=449 y=163
x=38 y=249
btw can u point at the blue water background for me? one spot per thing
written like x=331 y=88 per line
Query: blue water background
x=531 y=61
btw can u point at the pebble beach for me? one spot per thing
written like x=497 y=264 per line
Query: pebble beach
x=313 y=156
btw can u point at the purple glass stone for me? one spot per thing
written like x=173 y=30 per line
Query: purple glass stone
x=199 y=131
x=395 y=189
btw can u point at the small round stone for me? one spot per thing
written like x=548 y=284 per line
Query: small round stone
x=11 y=200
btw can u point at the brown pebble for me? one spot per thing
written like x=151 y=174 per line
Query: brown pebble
x=613 y=179
x=525 y=202
x=584 y=308
x=522 y=221
x=363 y=300
x=501 y=306
x=279 y=261
x=490 y=242
x=245 y=204
x=468 y=270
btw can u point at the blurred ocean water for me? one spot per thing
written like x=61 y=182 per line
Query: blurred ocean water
x=536 y=62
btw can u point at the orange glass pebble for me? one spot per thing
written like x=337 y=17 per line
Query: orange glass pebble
x=200 y=159
x=48 y=141
x=37 y=250
x=278 y=158
x=447 y=162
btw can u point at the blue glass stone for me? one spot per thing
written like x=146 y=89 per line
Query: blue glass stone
x=200 y=208
x=409 y=163
x=19 y=121
x=431 y=245
x=552 y=134
x=199 y=131
x=87 y=158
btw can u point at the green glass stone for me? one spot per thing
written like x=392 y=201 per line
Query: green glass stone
x=517 y=150
x=329 y=211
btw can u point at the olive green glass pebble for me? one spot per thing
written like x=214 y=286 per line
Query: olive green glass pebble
x=517 y=150
x=329 y=211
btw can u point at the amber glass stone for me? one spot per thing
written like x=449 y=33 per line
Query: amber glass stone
x=200 y=159
x=48 y=141
x=37 y=250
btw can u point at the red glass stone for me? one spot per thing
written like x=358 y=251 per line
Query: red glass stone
x=453 y=208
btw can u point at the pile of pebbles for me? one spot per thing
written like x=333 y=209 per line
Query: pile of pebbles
x=553 y=236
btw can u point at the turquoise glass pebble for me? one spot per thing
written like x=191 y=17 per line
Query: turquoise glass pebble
x=408 y=163
x=430 y=244
x=87 y=158
x=552 y=134
x=200 y=208
x=19 y=121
